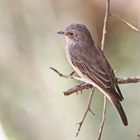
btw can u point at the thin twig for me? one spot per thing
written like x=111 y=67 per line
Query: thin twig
x=88 y=109
x=70 y=76
x=103 y=118
x=107 y=13
x=125 y=22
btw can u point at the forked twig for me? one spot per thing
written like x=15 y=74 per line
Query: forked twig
x=70 y=76
x=103 y=118
x=84 y=85
x=88 y=109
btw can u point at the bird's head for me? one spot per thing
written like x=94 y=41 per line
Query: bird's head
x=76 y=33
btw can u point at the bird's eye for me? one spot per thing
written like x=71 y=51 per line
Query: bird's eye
x=70 y=33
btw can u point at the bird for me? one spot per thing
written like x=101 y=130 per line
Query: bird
x=90 y=63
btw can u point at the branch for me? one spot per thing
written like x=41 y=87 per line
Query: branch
x=83 y=86
x=107 y=13
x=128 y=80
x=125 y=22
x=88 y=108
x=70 y=76
x=103 y=118
x=77 y=88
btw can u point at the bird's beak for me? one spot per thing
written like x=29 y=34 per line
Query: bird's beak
x=61 y=32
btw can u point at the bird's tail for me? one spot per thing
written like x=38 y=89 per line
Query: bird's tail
x=120 y=111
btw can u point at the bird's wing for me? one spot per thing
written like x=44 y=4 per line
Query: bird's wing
x=96 y=67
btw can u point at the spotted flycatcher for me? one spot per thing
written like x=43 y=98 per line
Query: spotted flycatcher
x=91 y=65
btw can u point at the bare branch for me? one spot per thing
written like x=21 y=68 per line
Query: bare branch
x=70 y=76
x=77 y=88
x=88 y=109
x=128 y=80
x=103 y=118
x=83 y=85
x=125 y=22
x=107 y=13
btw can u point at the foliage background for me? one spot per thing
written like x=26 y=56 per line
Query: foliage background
x=32 y=105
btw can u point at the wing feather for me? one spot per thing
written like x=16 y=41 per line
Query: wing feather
x=99 y=72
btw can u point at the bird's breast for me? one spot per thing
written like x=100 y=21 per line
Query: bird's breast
x=71 y=54
x=68 y=55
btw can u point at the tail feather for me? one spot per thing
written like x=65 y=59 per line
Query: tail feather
x=121 y=112
x=116 y=99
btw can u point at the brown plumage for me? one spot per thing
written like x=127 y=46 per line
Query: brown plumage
x=91 y=65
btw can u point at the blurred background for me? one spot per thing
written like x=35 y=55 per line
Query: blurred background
x=32 y=104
